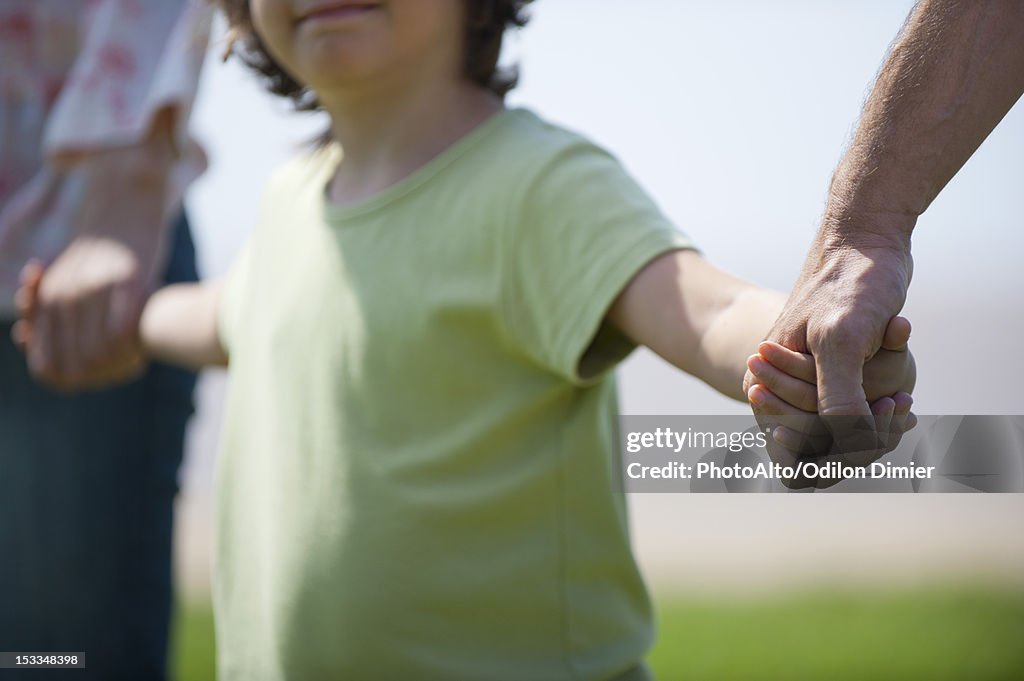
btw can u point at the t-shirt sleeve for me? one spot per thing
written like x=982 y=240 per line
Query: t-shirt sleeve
x=584 y=229
x=132 y=64
x=235 y=284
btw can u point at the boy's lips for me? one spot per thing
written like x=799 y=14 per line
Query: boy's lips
x=335 y=9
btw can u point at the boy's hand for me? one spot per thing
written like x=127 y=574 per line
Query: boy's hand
x=785 y=397
x=792 y=376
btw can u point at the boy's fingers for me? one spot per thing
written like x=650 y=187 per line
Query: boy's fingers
x=897 y=334
x=798 y=393
x=796 y=364
x=766 y=403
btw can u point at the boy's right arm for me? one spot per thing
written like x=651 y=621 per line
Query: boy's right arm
x=179 y=325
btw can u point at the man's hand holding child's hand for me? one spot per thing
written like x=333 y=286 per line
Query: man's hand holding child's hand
x=784 y=396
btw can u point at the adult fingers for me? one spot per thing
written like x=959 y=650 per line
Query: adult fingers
x=861 y=440
x=26 y=299
x=94 y=347
x=904 y=402
x=897 y=334
x=26 y=302
x=843 y=404
x=21 y=334
x=797 y=432
x=903 y=420
x=124 y=369
x=65 y=333
x=840 y=384
x=41 y=359
x=883 y=410
x=122 y=319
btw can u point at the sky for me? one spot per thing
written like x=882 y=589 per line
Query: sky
x=733 y=116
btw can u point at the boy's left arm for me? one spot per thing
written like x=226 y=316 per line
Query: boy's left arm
x=704 y=321
x=708 y=323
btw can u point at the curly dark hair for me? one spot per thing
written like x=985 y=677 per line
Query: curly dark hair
x=486 y=23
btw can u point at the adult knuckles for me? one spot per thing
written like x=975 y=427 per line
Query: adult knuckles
x=840 y=334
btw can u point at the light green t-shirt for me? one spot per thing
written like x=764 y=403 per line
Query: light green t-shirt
x=416 y=476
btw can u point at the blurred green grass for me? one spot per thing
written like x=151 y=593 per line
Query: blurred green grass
x=193 y=656
x=937 y=634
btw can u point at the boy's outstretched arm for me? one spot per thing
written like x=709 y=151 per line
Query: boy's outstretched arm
x=707 y=323
x=179 y=325
x=704 y=321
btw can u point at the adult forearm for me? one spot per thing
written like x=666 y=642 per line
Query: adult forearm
x=953 y=73
x=125 y=188
x=179 y=326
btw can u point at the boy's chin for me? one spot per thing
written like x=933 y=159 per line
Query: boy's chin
x=338 y=55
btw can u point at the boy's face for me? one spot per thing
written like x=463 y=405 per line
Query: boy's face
x=332 y=44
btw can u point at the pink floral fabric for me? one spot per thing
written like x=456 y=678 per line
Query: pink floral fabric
x=78 y=76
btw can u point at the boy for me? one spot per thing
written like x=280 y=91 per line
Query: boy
x=416 y=475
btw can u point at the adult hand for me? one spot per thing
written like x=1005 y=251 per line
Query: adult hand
x=853 y=282
x=785 y=402
x=79 y=321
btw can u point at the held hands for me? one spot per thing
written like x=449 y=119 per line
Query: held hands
x=78 y=325
x=784 y=396
x=853 y=283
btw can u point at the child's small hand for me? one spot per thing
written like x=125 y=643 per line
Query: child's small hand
x=792 y=376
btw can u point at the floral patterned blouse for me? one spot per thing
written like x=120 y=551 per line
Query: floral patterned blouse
x=76 y=77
